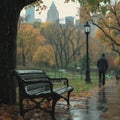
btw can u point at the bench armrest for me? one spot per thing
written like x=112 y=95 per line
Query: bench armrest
x=58 y=80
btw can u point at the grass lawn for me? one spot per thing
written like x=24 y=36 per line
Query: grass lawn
x=78 y=81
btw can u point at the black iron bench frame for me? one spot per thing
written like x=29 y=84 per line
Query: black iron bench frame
x=36 y=84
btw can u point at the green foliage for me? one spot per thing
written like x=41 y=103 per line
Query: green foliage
x=83 y=62
x=80 y=85
x=36 y=24
x=95 y=5
x=103 y=9
x=73 y=65
x=76 y=81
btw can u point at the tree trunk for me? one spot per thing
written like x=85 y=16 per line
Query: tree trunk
x=9 y=14
x=23 y=58
x=8 y=30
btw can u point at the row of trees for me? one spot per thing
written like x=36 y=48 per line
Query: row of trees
x=49 y=44
x=57 y=46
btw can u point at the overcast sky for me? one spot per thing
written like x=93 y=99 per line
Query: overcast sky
x=65 y=9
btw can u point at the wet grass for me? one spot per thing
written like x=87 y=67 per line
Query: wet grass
x=81 y=85
x=78 y=81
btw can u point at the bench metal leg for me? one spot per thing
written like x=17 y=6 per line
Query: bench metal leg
x=21 y=104
x=68 y=97
x=68 y=102
x=55 y=99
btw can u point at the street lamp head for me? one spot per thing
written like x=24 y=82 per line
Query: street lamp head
x=87 y=28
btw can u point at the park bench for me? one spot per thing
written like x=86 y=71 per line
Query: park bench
x=36 y=84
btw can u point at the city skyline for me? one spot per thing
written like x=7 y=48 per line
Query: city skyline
x=65 y=9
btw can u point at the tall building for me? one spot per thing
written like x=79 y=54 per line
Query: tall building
x=53 y=14
x=69 y=21
x=30 y=15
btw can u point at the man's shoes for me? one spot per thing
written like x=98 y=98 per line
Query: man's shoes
x=100 y=85
x=103 y=84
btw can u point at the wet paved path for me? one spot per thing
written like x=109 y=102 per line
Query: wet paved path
x=105 y=105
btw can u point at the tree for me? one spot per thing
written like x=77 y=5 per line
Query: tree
x=109 y=29
x=83 y=62
x=66 y=42
x=44 y=56
x=29 y=39
x=9 y=12
x=109 y=24
x=36 y=24
x=107 y=19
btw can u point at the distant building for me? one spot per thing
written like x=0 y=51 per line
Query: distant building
x=30 y=15
x=53 y=14
x=69 y=21
x=77 y=22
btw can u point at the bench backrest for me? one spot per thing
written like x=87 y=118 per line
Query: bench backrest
x=33 y=74
x=25 y=78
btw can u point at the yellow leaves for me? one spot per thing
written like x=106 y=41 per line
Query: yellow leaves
x=25 y=28
x=117 y=38
x=29 y=39
x=32 y=45
x=46 y=24
x=84 y=13
x=98 y=34
x=44 y=54
x=117 y=61
x=29 y=32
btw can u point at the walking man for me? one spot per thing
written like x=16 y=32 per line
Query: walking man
x=102 y=65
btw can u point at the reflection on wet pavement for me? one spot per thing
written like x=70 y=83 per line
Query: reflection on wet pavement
x=105 y=105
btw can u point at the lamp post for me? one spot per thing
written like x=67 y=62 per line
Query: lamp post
x=87 y=31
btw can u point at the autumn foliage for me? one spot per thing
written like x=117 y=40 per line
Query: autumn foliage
x=29 y=40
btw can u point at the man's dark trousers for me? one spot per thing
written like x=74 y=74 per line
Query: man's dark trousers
x=102 y=77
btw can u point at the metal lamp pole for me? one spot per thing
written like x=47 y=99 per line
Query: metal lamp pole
x=87 y=31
